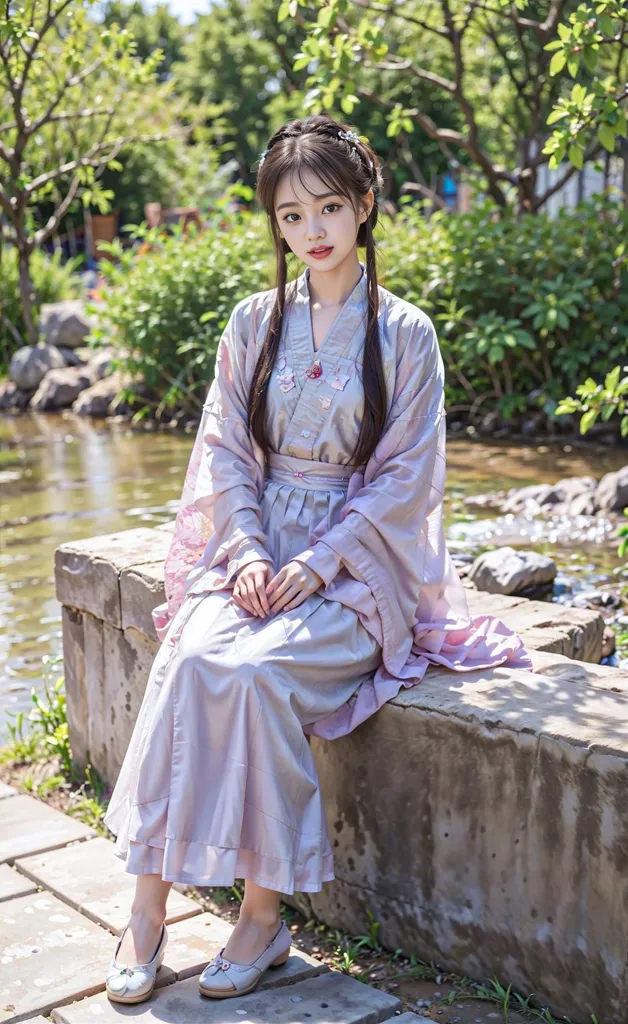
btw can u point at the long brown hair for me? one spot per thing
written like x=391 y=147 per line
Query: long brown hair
x=348 y=168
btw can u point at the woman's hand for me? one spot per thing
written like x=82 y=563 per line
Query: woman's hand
x=249 y=589
x=292 y=584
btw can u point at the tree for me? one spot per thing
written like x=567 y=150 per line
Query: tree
x=497 y=61
x=72 y=95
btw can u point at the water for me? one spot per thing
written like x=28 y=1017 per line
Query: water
x=64 y=478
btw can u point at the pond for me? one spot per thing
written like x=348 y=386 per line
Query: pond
x=67 y=477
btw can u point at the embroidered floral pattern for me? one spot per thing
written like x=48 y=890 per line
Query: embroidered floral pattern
x=339 y=380
x=286 y=379
x=325 y=401
x=315 y=370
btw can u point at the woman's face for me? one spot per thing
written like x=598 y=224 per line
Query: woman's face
x=328 y=224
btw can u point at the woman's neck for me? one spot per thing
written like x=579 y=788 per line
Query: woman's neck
x=333 y=287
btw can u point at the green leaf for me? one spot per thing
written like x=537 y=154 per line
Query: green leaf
x=557 y=62
x=612 y=378
x=556 y=114
x=588 y=419
x=576 y=155
x=606 y=135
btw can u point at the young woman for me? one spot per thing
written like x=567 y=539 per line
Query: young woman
x=308 y=577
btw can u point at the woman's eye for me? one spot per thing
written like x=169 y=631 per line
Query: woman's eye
x=326 y=207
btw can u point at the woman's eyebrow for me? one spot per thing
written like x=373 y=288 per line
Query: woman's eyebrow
x=293 y=202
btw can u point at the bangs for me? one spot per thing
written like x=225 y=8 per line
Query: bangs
x=330 y=169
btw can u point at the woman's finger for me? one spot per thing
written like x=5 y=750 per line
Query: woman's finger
x=240 y=598
x=251 y=594
x=260 y=583
x=285 y=597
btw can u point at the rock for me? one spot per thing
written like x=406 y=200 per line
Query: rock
x=582 y=505
x=59 y=388
x=64 y=323
x=506 y=571
x=489 y=422
x=533 y=498
x=563 y=494
x=72 y=356
x=96 y=399
x=612 y=491
x=609 y=642
x=30 y=365
x=12 y=397
x=100 y=364
x=596 y=599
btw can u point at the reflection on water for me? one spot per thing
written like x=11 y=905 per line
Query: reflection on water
x=65 y=478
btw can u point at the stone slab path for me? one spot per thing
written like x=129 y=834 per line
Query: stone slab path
x=64 y=896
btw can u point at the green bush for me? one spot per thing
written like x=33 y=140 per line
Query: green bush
x=169 y=298
x=52 y=281
x=523 y=307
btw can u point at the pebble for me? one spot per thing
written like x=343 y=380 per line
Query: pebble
x=438 y=980
x=296 y=999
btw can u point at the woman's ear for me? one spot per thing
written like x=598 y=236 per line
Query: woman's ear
x=367 y=205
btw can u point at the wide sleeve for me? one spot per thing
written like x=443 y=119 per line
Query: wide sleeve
x=228 y=482
x=218 y=528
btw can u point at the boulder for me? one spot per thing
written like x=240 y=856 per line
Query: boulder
x=96 y=399
x=584 y=504
x=563 y=494
x=29 y=365
x=533 y=498
x=59 y=388
x=99 y=364
x=506 y=571
x=12 y=397
x=64 y=323
x=72 y=356
x=612 y=491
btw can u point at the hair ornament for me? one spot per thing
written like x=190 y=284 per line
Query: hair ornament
x=352 y=136
x=349 y=136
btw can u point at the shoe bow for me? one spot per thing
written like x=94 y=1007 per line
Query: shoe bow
x=219 y=963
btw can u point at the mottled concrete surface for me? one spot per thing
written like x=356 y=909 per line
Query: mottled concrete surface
x=484 y=820
x=28 y=826
x=329 y=999
x=12 y=883
x=50 y=955
x=92 y=879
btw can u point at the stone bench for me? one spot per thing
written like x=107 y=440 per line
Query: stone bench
x=482 y=817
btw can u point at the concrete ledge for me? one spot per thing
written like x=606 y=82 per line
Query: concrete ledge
x=482 y=817
x=509 y=810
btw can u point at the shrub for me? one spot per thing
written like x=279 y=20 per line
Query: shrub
x=169 y=298
x=522 y=306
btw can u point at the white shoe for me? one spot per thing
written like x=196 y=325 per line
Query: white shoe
x=134 y=983
x=222 y=978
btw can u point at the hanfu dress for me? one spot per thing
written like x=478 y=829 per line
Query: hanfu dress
x=218 y=781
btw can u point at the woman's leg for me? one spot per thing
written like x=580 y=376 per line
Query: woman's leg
x=148 y=913
x=258 y=923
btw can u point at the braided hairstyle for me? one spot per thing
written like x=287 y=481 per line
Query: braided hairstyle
x=329 y=149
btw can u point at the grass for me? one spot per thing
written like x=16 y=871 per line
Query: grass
x=46 y=745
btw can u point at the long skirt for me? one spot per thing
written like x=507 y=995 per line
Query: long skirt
x=219 y=782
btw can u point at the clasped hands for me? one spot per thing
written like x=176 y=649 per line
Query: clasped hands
x=260 y=596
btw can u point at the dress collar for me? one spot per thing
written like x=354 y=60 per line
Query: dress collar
x=357 y=297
